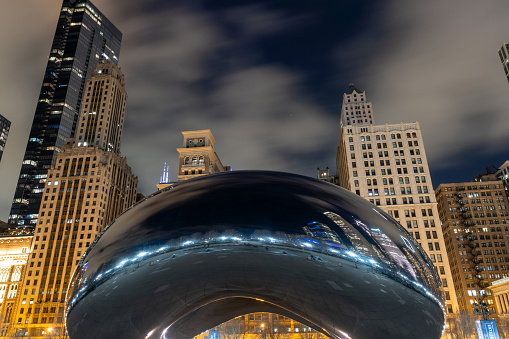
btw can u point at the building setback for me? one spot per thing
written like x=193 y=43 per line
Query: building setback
x=355 y=109
x=88 y=186
x=476 y=229
x=83 y=37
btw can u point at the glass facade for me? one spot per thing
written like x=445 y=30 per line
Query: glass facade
x=4 y=132
x=83 y=37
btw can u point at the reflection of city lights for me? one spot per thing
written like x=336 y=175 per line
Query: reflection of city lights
x=360 y=254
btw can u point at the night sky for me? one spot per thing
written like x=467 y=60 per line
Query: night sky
x=267 y=78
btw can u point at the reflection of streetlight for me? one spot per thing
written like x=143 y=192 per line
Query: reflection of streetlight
x=262 y=325
x=447 y=331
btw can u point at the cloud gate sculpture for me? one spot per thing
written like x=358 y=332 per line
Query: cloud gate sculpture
x=204 y=251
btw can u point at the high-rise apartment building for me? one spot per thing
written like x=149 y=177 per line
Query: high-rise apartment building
x=88 y=186
x=387 y=165
x=4 y=133
x=355 y=109
x=83 y=37
x=475 y=217
x=503 y=53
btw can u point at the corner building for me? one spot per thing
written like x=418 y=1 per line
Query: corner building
x=387 y=165
x=89 y=185
x=475 y=218
x=83 y=37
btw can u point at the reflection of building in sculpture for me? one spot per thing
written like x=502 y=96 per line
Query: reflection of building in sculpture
x=88 y=186
x=321 y=231
x=475 y=218
x=4 y=133
x=14 y=251
x=356 y=239
x=264 y=326
x=387 y=165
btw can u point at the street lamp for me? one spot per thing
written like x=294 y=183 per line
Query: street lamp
x=262 y=325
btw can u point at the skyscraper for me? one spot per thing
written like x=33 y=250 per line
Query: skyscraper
x=83 y=36
x=4 y=132
x=355 y=109
x=503 y=54
x=87 y=187
x=387 y=165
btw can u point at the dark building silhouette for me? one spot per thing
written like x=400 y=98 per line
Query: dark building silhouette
x=5 y=124
x=83 y=37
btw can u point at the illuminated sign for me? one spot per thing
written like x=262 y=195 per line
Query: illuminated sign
x=213 y=334
x=487 y=329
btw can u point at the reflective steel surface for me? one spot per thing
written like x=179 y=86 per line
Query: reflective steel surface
x=209 y=249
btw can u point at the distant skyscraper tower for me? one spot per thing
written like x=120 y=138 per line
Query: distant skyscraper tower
x=355 y=110
x=503 y=53
x=387 y=165
x=87 y=187
x=4 y=132
x=165 y=181
x=83 y=36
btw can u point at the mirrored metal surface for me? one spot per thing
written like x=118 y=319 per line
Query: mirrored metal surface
x=209 y=249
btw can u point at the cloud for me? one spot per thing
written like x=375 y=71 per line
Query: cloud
x=437 y=63
x=183 y=78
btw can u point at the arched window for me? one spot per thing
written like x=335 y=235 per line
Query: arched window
x=194 y=161
x=186 y=161
x=201 y=160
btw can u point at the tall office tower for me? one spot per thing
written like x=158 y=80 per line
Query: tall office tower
x=475 y=223
x=387 y=165
x=14 y=251
x=355 y=110
x=83 y=36
x=4 y=133
x=88 y=186
x=503 y=53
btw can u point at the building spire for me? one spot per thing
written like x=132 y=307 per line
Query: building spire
x=165 y=178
